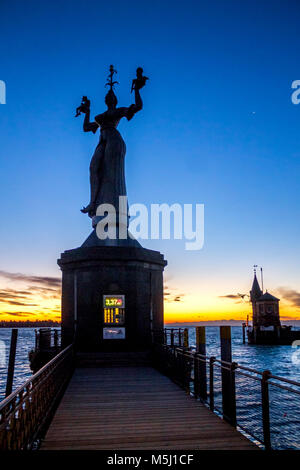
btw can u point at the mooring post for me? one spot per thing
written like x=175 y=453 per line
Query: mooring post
x=266 y=408
x=179 y=337
x=244 y=336
x=172 y=337
x=44 y=339
x=36 y=335
x=228 y=376
x=11 y=363
x=225 y=336
x=200 y=363
x=254 y=333
x=185 y=338
x=55 y=338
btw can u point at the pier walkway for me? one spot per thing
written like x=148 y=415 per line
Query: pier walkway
x=135 y=408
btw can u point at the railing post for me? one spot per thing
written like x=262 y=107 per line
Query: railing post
x=211 y=383
x=165 y=336
x=161 y=336
x=196 y=376
x=266 y=408
x=186 y=372
x=181 y=368
x=233 y=367
x=200 y=363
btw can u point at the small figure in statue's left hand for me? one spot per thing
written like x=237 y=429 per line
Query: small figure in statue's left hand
x=84 y=107
x=140 y=80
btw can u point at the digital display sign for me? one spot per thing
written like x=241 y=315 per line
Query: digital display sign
x=114 y=301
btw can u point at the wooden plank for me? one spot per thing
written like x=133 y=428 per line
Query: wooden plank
x=135 y=408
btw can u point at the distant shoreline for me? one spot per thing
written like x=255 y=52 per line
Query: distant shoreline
x=53 y=324
x=30 y=324
x=221 y=322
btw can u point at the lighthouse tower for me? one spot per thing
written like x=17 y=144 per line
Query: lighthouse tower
x=265 y=307
x=266 y=327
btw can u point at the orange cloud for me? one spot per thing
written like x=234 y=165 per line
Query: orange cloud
x=39 y=297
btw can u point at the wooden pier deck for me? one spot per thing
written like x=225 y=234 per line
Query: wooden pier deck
x=135 y=408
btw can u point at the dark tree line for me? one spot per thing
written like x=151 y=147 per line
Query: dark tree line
x=29 y=324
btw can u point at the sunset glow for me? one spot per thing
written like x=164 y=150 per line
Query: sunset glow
x=35 y=298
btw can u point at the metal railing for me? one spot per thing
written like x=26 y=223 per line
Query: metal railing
x=264 y=406
x=172 y=336
x=25 y=413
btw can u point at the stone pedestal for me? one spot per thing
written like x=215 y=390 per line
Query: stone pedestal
x=91 y=272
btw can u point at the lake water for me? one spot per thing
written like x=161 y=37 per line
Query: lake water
x=277 y=359
x=26 y=342
x=283 y=361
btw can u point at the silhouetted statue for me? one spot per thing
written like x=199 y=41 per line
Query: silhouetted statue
x=107 y=177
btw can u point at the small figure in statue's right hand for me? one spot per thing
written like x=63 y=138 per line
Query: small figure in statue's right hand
x=84 y=107
x=140 y=80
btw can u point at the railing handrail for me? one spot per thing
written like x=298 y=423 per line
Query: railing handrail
x=193 y=353
x=283 y=379
x=31 y=379
x=172 y=329
x=200 y=374
x=284 y=387
x=26 y=413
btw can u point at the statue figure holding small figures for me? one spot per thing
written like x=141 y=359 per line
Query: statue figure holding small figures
x=107 y=176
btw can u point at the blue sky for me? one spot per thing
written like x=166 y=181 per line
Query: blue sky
x=218 y=127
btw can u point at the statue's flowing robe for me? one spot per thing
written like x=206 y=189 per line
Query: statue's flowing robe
x=110 y=155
